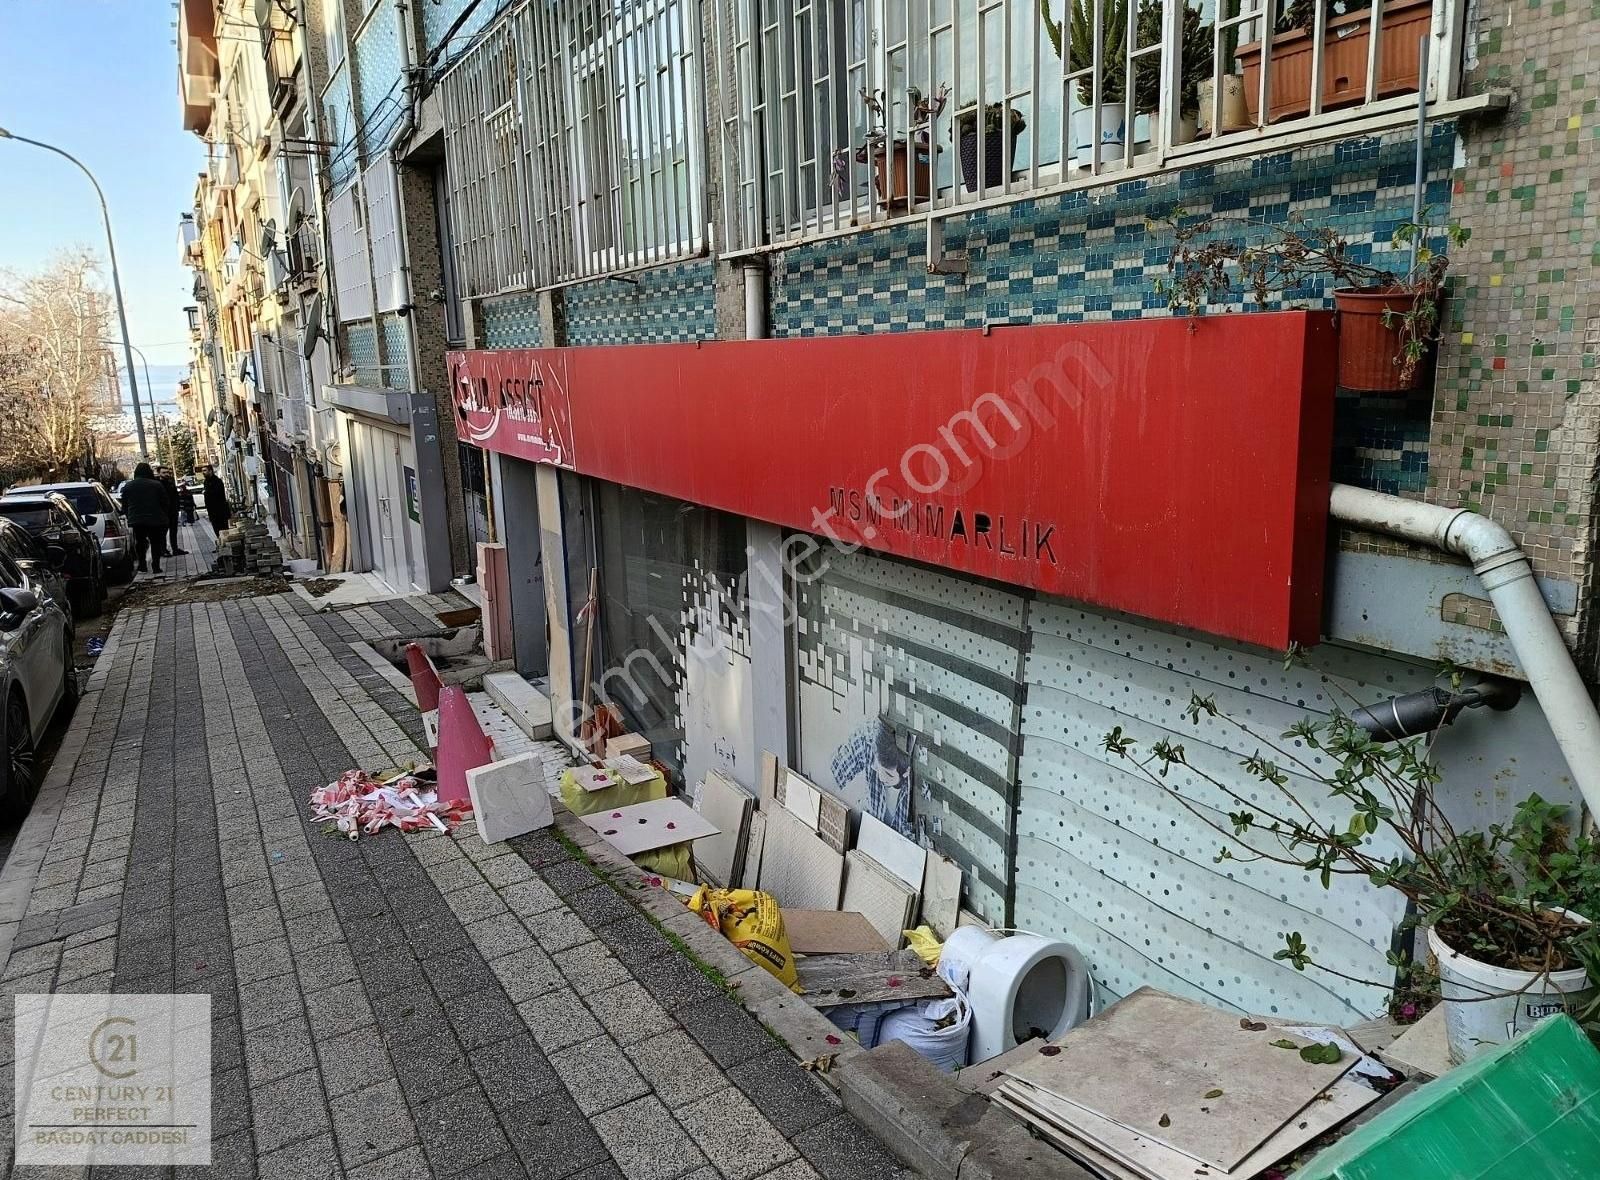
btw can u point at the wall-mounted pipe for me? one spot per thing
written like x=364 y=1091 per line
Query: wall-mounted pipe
x=1506 y=574
x=755 y=300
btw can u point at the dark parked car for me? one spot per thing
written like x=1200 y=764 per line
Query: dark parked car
x=51 y=520
x=102 y=516
x=36 y=680
x=38 y=562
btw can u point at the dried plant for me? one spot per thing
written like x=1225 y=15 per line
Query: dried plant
x=1211 y=257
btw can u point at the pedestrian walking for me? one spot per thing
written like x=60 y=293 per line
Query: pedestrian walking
x=144 y=503
x=169 y=484
x=216 y=498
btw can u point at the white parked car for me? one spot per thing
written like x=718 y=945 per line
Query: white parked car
x=103 y=517
x=36 y=679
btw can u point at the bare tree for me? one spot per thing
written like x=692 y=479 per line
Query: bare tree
x=58 y=384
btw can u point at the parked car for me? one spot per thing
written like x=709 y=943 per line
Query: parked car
x=41 y=564
x=102 y=515
x=51 y=519
x=36 y=680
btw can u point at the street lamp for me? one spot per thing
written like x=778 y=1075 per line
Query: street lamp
x=116 y=276
x=149 y=392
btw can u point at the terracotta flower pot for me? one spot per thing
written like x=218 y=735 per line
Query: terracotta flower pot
x=1371 y=353
x=889 y=175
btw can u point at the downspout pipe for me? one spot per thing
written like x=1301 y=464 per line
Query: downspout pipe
x=1508 y=578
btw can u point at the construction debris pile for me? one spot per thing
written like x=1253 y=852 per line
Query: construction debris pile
x=357 y=803
x=247 y=548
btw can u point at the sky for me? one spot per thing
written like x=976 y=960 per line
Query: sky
x=99 y=78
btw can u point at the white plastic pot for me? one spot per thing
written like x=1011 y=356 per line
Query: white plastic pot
x=1517 y=1000
x=1113 y=130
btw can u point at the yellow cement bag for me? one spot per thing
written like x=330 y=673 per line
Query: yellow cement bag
x=925 y=943
x=752 y=921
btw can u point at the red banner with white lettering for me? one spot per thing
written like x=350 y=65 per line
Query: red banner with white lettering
x=1173 y=468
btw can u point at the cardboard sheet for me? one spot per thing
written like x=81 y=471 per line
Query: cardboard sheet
x=873 y=891
x=904 y=858
x=727 y=805
x=830 y=932
x=833 y=822
x=655 y=824
x=797 y=868
x=1153 y=1056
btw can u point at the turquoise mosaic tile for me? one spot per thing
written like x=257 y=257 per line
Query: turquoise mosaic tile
x=361 y=353
x=512 y=322
x=379 y=76
x=439 y=15
x=338 y=123
x=668 y=303
x=396 y=347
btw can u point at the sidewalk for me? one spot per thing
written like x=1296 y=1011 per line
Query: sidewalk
x=395 y=1007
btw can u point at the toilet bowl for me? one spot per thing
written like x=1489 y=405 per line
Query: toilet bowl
x=1019 y=987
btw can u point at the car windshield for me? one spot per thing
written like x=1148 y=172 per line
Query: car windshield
x=30 y=516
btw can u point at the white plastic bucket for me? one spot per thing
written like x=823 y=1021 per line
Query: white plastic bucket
x=1517 y=999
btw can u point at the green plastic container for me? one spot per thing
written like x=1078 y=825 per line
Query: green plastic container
x=1528 y=1110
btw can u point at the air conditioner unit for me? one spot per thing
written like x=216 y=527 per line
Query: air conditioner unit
x=292 y=418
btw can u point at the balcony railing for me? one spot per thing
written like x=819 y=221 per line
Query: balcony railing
x=842 y=113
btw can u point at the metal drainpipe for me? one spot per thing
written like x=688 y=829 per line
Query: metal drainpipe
x=1506 y=574
x=755 y=299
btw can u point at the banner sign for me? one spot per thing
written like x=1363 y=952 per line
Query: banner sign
x=1173 y=468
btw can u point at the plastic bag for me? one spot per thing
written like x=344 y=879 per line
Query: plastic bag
x=925 y=943
x=752 y=921
x=918 y=1025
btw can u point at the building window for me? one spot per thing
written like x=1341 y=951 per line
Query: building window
x=583 y=123
x=849 y=112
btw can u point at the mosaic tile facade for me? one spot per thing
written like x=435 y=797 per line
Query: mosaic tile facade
x=512 y=322
x=361 y=353
x=439 y=15
x=338 y=121
x=1517 y=424
x=1093 y=255
x=379 y=79
x=666 y=304
x=396 y=348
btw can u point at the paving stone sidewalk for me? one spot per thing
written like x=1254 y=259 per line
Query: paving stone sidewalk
x=397 y=1006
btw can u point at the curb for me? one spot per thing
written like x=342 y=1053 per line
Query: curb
x=941 y=1130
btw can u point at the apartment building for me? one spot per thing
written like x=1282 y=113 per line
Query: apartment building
x=835 y=344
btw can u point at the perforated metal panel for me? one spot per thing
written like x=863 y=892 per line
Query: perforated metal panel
x=936 y=657
x=383 y=229
x=349 y=245
x=1127 y=870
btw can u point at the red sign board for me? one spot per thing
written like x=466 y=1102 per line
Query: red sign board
x=1176 y=469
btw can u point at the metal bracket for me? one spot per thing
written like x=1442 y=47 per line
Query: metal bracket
x=941 y=262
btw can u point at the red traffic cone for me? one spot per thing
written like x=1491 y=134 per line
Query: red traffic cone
x=463 y=746
x=425 y=682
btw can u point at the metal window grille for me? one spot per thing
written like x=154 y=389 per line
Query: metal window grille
x=573 y=144
x=839 y=113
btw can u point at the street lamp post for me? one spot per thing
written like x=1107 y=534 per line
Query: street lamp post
x=116 y=277
x=149 y=392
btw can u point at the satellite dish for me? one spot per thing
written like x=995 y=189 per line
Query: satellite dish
x=269 y=237
x=296 y=211
x=211 y=417
x=277 y=270
x=244 y=366
x=311 y=332
x=263 y=12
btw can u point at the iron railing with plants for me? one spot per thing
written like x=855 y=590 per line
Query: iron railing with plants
x=824 y=123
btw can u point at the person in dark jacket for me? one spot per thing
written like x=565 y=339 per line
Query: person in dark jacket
x=144 y=503
x=186 y=502
x=169 y=483
x=216 y=498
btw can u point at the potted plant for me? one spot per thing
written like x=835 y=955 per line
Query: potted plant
x=1196 y=66
x=1000 y=131
x=901 y=176
x=1505 y=909
x=1388 y=320
x=1235 y=114
x=1079 y=37
x=1347 y=30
